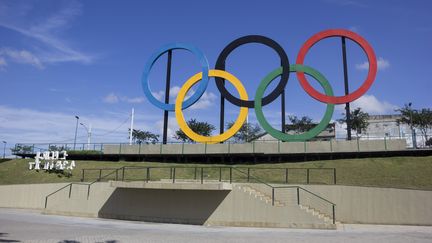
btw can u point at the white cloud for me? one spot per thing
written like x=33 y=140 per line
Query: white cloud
x=382 y=63
x=59 y=19
x=371 y=105
x=172 y=128
x=3 y=63
x=353 y=28
x=207 y=100
x=160 y=95
x=111 y=98
x=35 y=126
x=54 y=49
x=21 y=56
x=174 y=91
x=135 y=100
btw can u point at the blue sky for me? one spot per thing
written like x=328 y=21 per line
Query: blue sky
x=59 y=59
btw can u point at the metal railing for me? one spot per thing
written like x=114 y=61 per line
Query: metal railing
x=202 y=174
x=307 y=202
x=282 y=175
x=82 y=183
x=251 y=147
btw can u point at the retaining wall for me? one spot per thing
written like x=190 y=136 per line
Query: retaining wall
x=366 y=205
x=260 y=147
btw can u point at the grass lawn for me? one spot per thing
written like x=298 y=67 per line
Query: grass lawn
x=397 y=172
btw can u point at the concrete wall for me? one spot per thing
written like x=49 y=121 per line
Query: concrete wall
x=353 y=204
x=242 y=209
x=266 y=147
x=292 y=147
x=194 y=148
x=217 y=148
x=150 y=149
x=26 y=196
x=319 y=146
x=378 y=205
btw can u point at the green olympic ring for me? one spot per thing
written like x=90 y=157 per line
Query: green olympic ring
x=293 y=137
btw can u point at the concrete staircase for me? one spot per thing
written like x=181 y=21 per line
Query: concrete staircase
x=259 y=195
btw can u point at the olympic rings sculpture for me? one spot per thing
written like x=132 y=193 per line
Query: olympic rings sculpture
x=220 y=75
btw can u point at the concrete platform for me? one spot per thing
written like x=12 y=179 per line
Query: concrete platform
x=208 y=186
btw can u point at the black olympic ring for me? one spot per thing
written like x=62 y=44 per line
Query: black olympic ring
x=220 y=65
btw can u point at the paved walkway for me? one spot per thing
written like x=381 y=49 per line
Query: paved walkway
x=31 y=226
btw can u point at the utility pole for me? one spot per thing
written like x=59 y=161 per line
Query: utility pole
x=413 y=134
x=4 y=149
x=89 y=137
x=131 y=127
x=88 y=134
x=76 y=131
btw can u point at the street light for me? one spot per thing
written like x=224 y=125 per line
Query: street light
x=414 y=138
x=76 y=131
x=4 y=149
x=88 y=134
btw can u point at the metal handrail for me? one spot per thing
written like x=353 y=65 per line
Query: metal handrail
x=257 y=179
x=317 y=196
x=238 y=169
x=46 y=197
x=76 y=183
x=68 y=185
x=298 y=195
x=100 y=178
x=215 y=167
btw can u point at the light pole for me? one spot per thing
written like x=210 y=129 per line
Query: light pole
x=88 y=134
x=4 y=149
x=414 y=138
x=76 y=131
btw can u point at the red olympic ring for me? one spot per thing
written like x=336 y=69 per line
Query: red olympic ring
x=338 y=99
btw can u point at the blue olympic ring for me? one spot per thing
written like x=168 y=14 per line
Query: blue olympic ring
x=202 y=86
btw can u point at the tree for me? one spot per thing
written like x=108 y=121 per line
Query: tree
x=420 y=119
x=300 y=125
x=202 y=128
x=247 y=132
x=429 y=142
x=358 y=121
x=57 y=148
x=147 y=137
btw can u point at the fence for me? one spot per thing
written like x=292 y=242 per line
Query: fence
x=256 y=147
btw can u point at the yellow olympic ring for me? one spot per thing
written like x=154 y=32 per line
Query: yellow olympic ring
x=228 y=133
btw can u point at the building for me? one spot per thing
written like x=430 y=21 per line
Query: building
x=328 y=134
x=384 y=126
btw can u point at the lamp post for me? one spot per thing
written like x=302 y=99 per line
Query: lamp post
x=414 y=138
x=4 y=149
x=88 y=134
x=76 y=131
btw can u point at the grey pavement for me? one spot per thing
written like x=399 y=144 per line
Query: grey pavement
x=32 y=226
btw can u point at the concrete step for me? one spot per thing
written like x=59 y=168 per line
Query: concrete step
x=319 y=214
x=260 y=195
x=267 y=199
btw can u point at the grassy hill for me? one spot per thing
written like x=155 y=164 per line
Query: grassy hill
x=397 y=172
